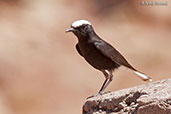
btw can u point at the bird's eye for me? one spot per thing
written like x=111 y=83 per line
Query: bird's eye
x=83 y=27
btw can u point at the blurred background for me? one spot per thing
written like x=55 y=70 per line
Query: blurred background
x=40 y=69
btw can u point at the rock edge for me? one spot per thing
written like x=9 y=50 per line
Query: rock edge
x=151 y=98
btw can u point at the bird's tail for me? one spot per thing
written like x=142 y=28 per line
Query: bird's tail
x=140 y=74
x=143 y=76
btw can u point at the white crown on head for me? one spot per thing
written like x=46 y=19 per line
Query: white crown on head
x=80 y=23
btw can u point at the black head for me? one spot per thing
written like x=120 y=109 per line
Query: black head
x=81 y=28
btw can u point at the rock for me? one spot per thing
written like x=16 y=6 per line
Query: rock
x=151 y=98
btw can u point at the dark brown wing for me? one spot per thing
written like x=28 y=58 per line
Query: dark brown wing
x=112 y=53
x=78 y=49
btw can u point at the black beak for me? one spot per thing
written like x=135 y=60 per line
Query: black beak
x=70 y=30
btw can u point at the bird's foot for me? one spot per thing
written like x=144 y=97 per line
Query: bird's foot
x=98 y=94
x=102 y=93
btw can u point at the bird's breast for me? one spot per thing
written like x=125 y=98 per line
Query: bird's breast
x=95 y=58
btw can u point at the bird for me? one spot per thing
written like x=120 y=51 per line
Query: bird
x=98 y=53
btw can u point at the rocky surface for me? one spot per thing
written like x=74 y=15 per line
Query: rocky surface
x=151 y=98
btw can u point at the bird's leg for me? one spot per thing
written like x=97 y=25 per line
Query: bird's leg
x=110 y=79
x=104 y=83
